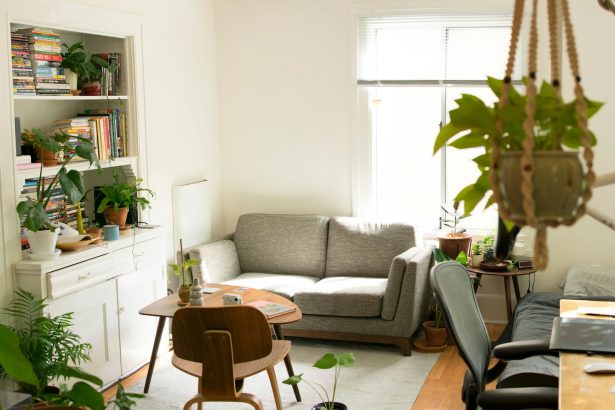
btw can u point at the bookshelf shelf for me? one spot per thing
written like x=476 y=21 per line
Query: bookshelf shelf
x=69 y=97
x=80 y=166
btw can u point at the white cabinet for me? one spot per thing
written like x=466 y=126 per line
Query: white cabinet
x=105 y=286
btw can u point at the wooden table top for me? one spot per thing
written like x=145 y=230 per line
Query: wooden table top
x=167 y=306
x=579 y=390
x=518 y=272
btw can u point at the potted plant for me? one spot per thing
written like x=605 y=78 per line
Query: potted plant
x=95 y=231
x=184 y=273
x=480 y=248
x=80 y=65
x=119 y=196
x=456 y=240
x=435 y=330
x=328 y=361
x=41 y=350
x=41 y=233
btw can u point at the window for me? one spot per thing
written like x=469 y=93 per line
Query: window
x=411 y=70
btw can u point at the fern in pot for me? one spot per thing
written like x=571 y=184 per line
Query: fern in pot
x=42 y=234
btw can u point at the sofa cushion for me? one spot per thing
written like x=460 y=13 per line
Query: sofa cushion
x=343 y=296
x=283 y=244
x=362 y=248
x=218 y=261
x=283 y=285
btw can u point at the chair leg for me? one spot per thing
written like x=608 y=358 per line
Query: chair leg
x=274 y=386
x=251 y=400
x=198 y=399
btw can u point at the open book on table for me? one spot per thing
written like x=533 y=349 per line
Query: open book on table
x=271 y=309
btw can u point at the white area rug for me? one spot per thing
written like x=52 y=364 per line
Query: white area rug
x=380 y=379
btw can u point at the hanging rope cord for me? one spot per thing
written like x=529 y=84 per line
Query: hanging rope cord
x=527 y=157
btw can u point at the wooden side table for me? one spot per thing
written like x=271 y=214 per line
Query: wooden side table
x=506 y=275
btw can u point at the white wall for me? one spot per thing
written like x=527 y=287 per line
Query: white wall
x=285 y=106
x=180 y=83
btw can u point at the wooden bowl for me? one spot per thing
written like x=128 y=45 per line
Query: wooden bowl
x=494 y=266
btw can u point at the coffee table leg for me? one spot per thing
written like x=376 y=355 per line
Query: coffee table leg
x=476 y=283
x=287 y=362
x=152 y=359
x=508 y=296
x=516 y=286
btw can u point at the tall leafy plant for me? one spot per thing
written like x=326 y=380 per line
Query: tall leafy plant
x=122 y=194
x=31 y=211
x=81 y=62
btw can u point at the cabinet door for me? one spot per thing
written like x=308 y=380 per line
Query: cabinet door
x=95 y=320
x=135 y=291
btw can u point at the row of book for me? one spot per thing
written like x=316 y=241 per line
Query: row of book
x=44 y=53
x=59 y=208
x=23 y=77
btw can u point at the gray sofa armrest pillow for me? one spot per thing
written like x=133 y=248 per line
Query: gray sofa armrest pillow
x=219 y=261
x=394 y=281
x=364 y=248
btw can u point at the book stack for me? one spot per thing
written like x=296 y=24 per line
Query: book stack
x=77 y=128
x=110 y=79
x=59 y=209
x=23 y=78
x=25 y=162
x=45 y=48
x=108 y=132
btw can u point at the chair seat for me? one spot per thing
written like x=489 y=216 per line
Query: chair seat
x=279 y=351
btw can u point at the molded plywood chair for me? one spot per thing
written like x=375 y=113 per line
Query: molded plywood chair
x=454 y=292
x=222 y=346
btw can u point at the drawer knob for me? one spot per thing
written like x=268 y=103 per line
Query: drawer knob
x=85 y=275
x=121 y=310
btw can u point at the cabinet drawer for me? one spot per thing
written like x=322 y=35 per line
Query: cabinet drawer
x=80 y=276
x=140 y=256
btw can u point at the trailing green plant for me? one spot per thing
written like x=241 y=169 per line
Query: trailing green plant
x=123 y=194
x=453 y=218
x=81 y=62
x=48 y=343
x=473 y=124
x=31 y=211
x=327 y=361
x=183 y=272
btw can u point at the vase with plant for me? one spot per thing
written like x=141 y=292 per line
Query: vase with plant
x=118 y=197
x=41 y=233
x=435 y=330
x=328 y=361
x=531 y=166
x=184 y=273
x=80 y=66
x=37 y=350
x=456 y=240
x=480 y=248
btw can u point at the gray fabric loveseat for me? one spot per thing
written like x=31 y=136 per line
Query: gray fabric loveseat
x=353 y=279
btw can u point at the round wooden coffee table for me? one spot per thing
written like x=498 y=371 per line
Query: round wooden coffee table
x=166 y=307
x=506 y=275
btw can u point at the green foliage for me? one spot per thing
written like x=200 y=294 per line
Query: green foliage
x=32 y=211
x=12 y=362
x=327 y=361
x=182 y=270
x=453 y=218
x=47 y=343
x=482 y=245
x=81 y=62
x=440 y=256
x=123 y=194
x=473 y=124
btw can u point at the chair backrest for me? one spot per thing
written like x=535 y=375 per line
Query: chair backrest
x=247 y=326
x=455 y=294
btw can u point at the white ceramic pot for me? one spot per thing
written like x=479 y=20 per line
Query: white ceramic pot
x=476 y=260
x=42 y=242
x=71 y=78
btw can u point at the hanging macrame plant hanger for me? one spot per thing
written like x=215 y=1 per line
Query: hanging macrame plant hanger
x=521 y=181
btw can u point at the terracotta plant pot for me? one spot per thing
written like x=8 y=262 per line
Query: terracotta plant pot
x=452 y=245
x=95 y=233
x=114 y=217
x=184 y=295
x=336 y=406
x=48 y=158
x=434 y=336
x=557 y=179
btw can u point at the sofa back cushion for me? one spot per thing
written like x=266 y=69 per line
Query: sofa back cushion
x=285 y=244
x=363 y=248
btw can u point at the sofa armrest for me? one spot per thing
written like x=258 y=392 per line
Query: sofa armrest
x=407 y=292
x=219 y=261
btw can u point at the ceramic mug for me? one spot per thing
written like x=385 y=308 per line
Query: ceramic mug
x=111 y=232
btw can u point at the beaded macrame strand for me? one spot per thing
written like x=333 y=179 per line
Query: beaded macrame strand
x=527 y=158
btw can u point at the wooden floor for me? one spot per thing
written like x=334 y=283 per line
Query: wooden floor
x=441 y=391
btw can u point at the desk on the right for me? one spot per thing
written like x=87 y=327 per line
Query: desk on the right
x=577 y=389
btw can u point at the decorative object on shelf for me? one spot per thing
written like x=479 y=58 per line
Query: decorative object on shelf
x=196 y=293
x=31 y=211
x=183 y=272
x=457 y=240
x=96 y=232
x=87 y=68
x=42 y=350
x=526 y=136
x=119 y=196
x=328 y=361
x=111 y=232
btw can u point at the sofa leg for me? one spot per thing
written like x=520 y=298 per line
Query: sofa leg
x=404 y=344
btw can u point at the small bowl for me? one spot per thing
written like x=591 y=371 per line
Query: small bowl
x=494 y=266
